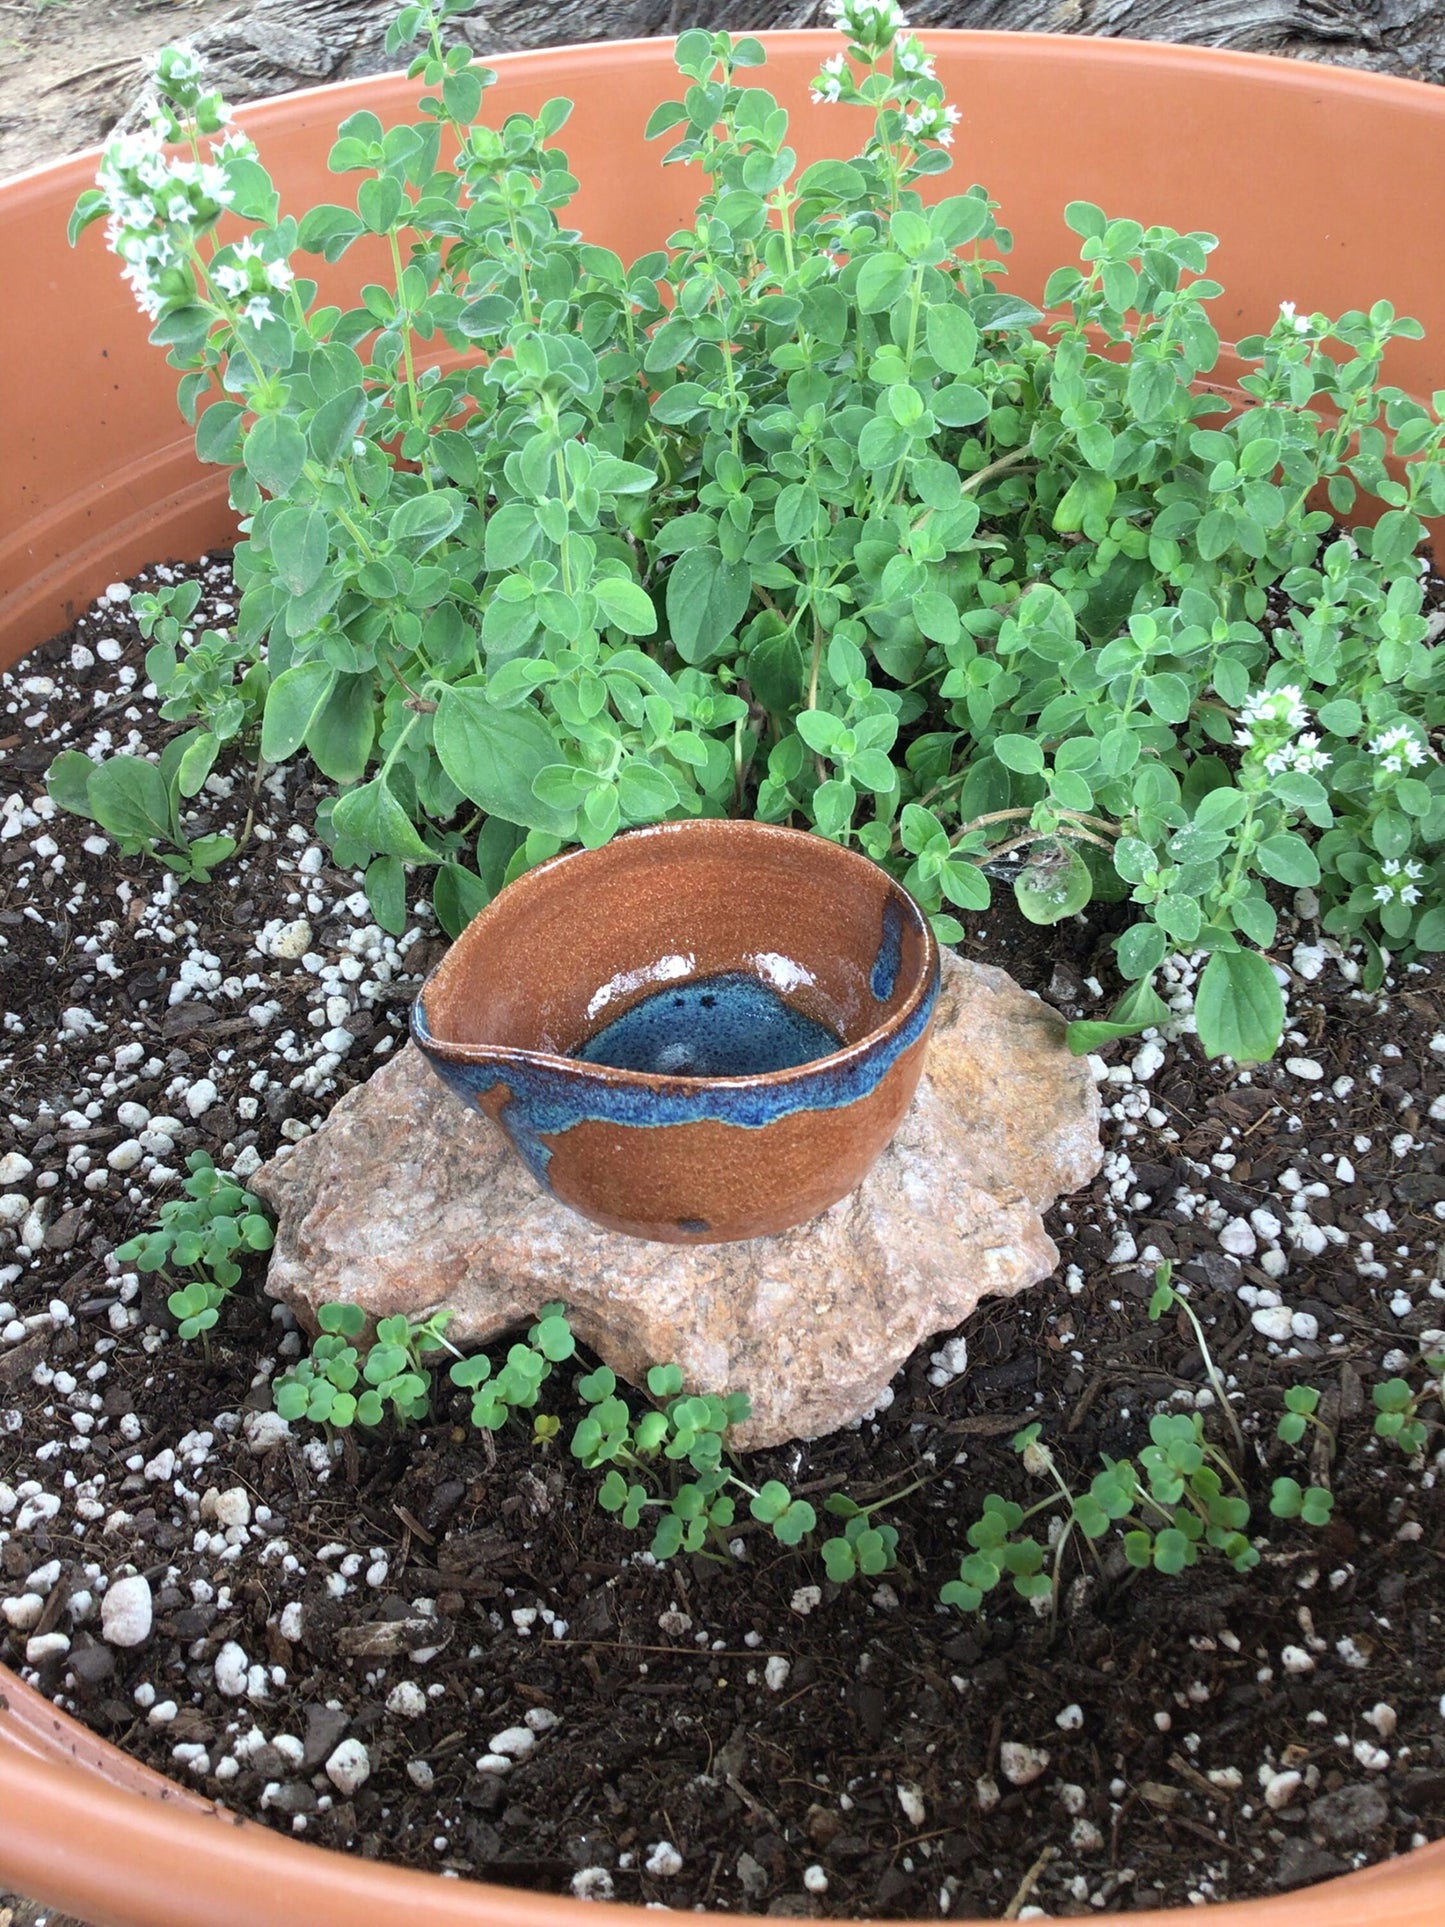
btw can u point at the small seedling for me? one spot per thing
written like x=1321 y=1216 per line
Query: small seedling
x=1167 y=1297
x=139 y=803
x=337 y=1386
x=1182 y=1500
x=214 y=678
x=1397 y=1409
x=1290 y=1500
x=206 y=1232
x=1301 y=1412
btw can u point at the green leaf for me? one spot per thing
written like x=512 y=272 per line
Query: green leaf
x=300 y=539
x=494 y=756
x=340 y=734
x=292 y=704
x=625 y=604
x=1054 y=885
x=706 y=600
x=371 y=815
x=218 y=433
x=128 y=797
x=426 y=520
x=1238 y=1007
x=334 y=425
x=881 y=280
x=68 y=781
x=457 y=896
x=275 y=453
x=952 y=339
x=1289 y=859
x=1020 y=753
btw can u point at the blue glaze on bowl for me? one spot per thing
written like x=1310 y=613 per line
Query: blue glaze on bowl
x=884 y=975
x=548 y=1095
x=730 y=1025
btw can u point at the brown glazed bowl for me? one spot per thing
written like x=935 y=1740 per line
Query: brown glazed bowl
x=702 y=1031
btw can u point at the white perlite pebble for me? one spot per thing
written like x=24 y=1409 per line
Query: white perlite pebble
x=806 y=1599
x=542 y=1719
x=14 y=1169
x=1273 y=1321
x=22 y=1612
x=349 y=1767
x=201 y=1096
x=775 y=1673
x=911 y=1801
x=663 y=1860
x=292 y=942
x=126 y=1612
x=1070 y=1719
x=233 y=1508
x=407 y=1700
x=42 y=1646
x=230 y=1670
x=592 y=1883
x=1304 y=1067
x=420 y=1775
x=1238 y=1239
x=1280 y=1789
x=815 y=1880
x=1021 y=1765
x=513 y=1743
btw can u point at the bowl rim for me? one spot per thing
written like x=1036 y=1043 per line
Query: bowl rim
x=924 y=988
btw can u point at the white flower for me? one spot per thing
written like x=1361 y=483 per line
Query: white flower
x=1409 y=894
x=1383 y=893
x=1398 y=749
x=910 y=58
x=233 y=282
x=1300 y=323
x=931 y=123
x=259 y=309
x=869 y=23
x=1391 y=866
x=827 y=89
x=1275 y=711
x=1415 y=870
x=279 y=275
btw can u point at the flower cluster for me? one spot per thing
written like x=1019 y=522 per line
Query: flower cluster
x=1397 y=749
x=873 y=28
x=158 y=207
x=1302 y=324
x=1272 y=712
x=868 y=23
x=827 y=88
x=931 y=121
x=1271 y=722
x=1398 y=880
x=244 y=275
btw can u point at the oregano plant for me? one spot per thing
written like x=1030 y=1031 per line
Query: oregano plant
x=803 y=515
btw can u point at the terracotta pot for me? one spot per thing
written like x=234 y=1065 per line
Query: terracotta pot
x=1326 y=185
x=720 y=1047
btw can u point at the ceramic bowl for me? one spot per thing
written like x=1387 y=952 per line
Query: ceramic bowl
x=702 y=1031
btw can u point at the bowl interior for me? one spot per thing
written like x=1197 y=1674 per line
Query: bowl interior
x=714 y=927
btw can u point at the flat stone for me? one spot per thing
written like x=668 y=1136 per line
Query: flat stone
x=407 y=1200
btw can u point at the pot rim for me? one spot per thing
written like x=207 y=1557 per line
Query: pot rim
x=76 y=1839
x=612 y=1075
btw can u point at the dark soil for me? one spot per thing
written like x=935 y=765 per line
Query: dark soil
x=866 y=1777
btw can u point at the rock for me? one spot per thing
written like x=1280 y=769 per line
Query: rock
x=325 y=1726
x=1350 y=1817
x=126 y=1611
x=406 y=1200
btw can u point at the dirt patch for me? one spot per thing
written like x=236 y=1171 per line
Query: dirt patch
x=794 y=1747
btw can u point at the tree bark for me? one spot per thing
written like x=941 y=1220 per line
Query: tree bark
x=280 y=44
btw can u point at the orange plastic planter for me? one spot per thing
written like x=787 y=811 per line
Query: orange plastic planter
x=1325 y=186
